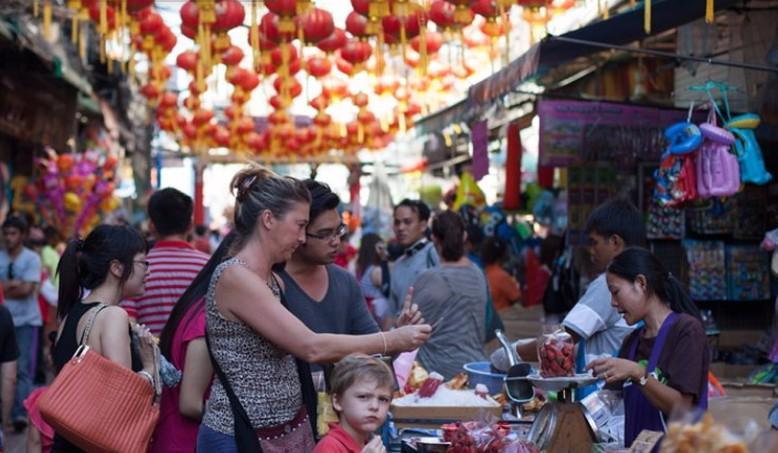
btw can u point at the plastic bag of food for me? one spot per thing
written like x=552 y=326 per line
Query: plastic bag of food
x=556 y=351
x=705 y=436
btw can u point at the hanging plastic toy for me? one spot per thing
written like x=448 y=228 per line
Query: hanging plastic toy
x=683 y=137
x=718 y=172
x=749 y=153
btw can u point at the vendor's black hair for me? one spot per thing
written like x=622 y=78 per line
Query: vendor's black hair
x=84 y=264
x=449 y=228
x=417 y=206
x=171 y=211
x=16 y=222
x=636 y=261
x=193 y=296
x=322 y=199
x=618 y=217
x=493 y=250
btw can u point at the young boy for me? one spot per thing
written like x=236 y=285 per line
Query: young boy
x=361 y=389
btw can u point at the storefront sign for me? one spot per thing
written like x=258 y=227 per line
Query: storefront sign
x=572 y=132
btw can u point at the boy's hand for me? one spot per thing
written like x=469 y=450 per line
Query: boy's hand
x=374 y=446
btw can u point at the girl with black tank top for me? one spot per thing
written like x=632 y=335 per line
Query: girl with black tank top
x=111 y=264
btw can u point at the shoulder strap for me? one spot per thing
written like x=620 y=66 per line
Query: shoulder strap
x=245 y=437
x=309 y=394
x=386 y=279
x=88 y=329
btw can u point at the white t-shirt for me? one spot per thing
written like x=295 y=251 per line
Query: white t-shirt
x=599 y=324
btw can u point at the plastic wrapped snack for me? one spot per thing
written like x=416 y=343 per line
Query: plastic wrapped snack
x=556 y=351
x=702 y=437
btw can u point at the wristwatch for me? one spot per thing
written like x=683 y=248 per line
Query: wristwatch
x=644 y=379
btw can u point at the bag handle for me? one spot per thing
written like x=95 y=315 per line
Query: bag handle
x=88 y=329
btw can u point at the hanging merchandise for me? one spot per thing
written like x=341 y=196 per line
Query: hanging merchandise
x=748 y=275
x=752 y=168
x=676 y=181
x=512 y=198
x=665 y=222
x=468 y=192
x=718 y=172
x=714 y=218
x=707 y=270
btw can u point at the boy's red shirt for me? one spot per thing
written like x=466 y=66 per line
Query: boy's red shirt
x=337 y=440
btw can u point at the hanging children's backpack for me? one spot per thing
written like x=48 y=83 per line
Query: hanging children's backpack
x=718 y=171
x=676 y=180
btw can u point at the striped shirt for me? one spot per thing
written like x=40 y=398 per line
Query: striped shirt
x=172 y=267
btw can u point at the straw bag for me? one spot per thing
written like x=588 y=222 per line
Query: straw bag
x=99 y=405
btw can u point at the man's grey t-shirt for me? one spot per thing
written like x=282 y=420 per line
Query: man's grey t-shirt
x=26 y=268
x=342 y=311
x=405 y=271
x=453 y=299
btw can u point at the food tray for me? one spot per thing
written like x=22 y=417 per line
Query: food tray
x=434 y=416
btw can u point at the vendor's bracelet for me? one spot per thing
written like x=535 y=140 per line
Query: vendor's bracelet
x=148 y=376
x=383 y=337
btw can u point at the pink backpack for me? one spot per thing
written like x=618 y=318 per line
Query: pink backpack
x=718 y=171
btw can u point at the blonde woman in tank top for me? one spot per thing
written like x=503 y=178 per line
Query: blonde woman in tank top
x=253 y=337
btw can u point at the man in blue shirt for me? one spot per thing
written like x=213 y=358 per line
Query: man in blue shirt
x=20 y=272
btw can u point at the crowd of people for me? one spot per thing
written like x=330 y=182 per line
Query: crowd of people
x=251 y=334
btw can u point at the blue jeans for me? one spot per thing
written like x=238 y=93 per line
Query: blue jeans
x=209 y=440
x=27 y=339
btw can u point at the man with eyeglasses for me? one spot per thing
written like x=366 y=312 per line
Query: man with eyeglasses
x=20 y=272
x=324 y=296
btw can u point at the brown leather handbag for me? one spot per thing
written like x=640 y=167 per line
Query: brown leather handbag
x=99 y=405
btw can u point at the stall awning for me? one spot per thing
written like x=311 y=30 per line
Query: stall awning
x=619 y=29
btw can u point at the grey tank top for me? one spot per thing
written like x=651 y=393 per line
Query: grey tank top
x=263 y=376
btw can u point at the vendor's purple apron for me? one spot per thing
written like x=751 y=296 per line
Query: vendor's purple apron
x=639 y=413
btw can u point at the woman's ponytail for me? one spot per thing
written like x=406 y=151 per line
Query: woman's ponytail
x=679 y=299
x=68 y=271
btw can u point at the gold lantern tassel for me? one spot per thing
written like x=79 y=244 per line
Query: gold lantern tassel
x=254 y=34
x=647 y=16
x=379 y=54
x=47 y=19
x=35 y=8
x=74 y=29
x=423 y=54
x=103 y=17
x=82 y=44
x=709 y=11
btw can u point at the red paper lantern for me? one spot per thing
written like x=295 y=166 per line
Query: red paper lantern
x=317 y=25
x=318 y=66
x=249 y=82
x=189 y=32
x=335 y=41
x=320 y=102
x=493 y=29
x=190 y=15
x=192 y=103
x=286 y=8
x=94 y=14
x=189 y=130
x=276 y=56
x=268 y=28
x=245 y=125
x=360 y=100
x=334 y=87
x=230 y=112
x=232 y=56
x=159 y=72
x=202 y=117
x=187 y=60
x=221 y=136
x=356 y=24
x=255 y=141
x=361 y=6
x=365 y=117
x=322 y=119
x=168 y=100
x=344 y=66
x=486 y=8
x=442 y=13
x=278 y=102
x=434 y=42
x=278 y=117
x=356 y=52
x=134 y=6
x=166 y=40
x=149 y=91
x=292 y=86
x=151 y=24
x=394 y=24
x=229 y=14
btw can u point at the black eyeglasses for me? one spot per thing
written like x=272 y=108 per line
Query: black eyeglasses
x=329 y=235
x=145 y=264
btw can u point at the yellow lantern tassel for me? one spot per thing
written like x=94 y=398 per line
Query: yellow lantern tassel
x=379 y=54
x=254 y=34
x=423 y=54
x=709 y=11
x=647 y=16
x=47 y=19
x=103 y=17
x=74 y=29
x=82 y=43
x=35 y=8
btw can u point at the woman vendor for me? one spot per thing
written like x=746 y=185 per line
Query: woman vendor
x=664 y=364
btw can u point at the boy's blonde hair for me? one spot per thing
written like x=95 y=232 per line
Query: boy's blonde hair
x=356 y=367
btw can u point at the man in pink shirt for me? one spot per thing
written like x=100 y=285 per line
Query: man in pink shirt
x=173 y=262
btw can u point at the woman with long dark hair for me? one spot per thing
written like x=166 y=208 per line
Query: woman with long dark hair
x=453 y=298
x=664 y=364
x=374 y=277
x=111 y=264
x=183 y=342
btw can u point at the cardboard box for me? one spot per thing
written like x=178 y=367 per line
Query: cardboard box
x=737 y=389
x=728 y=372
x=430 y=417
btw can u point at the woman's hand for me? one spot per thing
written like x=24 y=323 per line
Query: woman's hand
x=616 y=370
x=408 y=338
x=146 y=345
x=374 y=446
x=410 y=314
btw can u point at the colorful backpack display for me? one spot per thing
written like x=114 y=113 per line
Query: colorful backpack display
x=718 y=171
x=675 y=180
